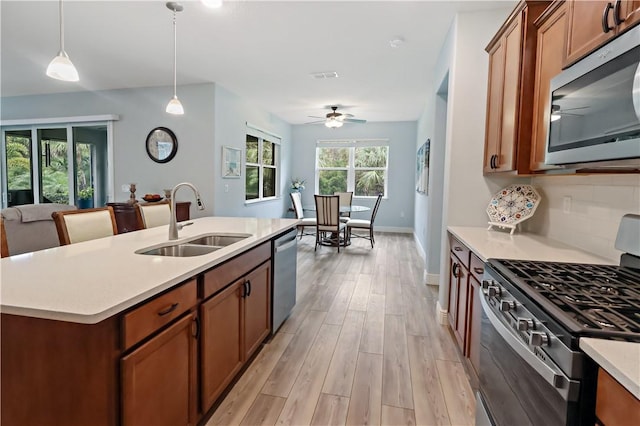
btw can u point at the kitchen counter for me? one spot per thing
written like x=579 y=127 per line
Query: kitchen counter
x=500 y=245
x=620 y=359
x=90 y=281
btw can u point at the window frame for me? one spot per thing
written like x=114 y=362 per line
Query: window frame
x=351 y=168
x=276 y=141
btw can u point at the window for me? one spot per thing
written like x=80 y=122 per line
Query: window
x=261 y=166
x=358 y=166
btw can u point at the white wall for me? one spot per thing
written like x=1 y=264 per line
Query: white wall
x=231 y=115
x=598 y=202
x=396 y=212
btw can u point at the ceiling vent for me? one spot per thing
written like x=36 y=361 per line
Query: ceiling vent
x=323 y=75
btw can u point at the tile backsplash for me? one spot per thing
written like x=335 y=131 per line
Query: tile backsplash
x=595 y=204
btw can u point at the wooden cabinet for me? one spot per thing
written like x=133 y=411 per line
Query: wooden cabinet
x=236 y=320
x=511 y=82
x=593 y=23
x=615 y=405
x=549 y=59
x=159 y=382
x=465 y=311
x=126 y=220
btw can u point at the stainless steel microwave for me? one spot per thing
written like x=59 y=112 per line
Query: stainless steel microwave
x=595 y=107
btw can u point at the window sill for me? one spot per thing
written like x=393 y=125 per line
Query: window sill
x=261 y=200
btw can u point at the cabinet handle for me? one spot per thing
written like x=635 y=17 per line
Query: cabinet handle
x=456 y=248
x=493 y=161
x=249 y=286
x=454 y=269
x=196 y=328
x=605 y=18
x=616 y=13
x=245 y=290
x=168 y=310
x=478 y=270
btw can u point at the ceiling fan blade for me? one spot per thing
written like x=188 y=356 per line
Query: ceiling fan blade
x=353 y=120
x=315 y=122
x=314 y=116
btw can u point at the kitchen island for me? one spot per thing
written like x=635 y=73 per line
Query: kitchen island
x=94 y=333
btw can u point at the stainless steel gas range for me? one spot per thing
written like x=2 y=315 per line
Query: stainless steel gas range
x=534 y=313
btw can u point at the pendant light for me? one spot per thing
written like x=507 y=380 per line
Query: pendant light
x=174 y=106
x=214 y=4
x=61 y=67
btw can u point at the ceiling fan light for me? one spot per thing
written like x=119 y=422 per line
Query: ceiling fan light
x=214 y=4
x=61 y=68
x=333 y=123
x=175 y=106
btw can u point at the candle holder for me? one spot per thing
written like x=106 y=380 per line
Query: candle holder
x=132 y=193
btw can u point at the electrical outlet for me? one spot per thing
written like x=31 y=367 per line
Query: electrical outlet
x=401 y=214
x=566 y=205
x=125 y=188
x=226 y=188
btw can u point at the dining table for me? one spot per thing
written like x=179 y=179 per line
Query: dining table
x=332 y=240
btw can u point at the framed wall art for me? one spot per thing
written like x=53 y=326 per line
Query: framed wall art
x=422 y=168
x=231 y=162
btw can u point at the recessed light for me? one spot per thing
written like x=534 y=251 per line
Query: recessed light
x=324 y=75
x=396 y=42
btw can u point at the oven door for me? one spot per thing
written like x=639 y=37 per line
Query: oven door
x=516 y=386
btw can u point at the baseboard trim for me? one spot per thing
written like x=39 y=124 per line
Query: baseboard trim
x=443 y=315
x=433 y=279
x=397 y=229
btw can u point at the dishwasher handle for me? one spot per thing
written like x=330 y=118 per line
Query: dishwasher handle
x=285 y=245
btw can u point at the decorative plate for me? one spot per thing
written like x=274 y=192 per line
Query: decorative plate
x=513 y=204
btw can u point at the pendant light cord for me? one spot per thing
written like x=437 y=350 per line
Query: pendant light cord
x=175 y=55
x=61 y=27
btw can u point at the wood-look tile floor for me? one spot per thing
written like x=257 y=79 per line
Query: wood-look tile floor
x=362 y=346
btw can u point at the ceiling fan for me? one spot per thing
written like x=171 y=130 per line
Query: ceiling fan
x=335 y=119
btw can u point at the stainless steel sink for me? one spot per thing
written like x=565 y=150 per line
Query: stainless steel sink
x=218 y=240
x=180 y=250
x=202 y=244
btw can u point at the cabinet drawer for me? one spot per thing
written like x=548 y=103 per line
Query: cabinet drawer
x=228 y=272
x=460 y=250
x=476 y=267
x=151 y=316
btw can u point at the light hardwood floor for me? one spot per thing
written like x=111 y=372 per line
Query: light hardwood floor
x=362 y=346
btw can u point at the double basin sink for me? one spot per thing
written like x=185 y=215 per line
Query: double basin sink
x=202 y=244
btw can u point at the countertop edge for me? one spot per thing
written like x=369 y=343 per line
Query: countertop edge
x=608 y=354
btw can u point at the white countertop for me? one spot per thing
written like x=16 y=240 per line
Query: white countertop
x=620 y=359
x=500 y=245
x=90 y=281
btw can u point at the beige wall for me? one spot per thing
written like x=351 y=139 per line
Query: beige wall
x=598 y=202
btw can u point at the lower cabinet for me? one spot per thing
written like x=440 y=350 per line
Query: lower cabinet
x=458 y=299
x=475 y=319
x=234 y=324
x=615 y=405
x=159 y=379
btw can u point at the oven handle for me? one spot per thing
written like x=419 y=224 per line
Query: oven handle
x=568 y=389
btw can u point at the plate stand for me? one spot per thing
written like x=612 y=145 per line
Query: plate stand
x=503 y=226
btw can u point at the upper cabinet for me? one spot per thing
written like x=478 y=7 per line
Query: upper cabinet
x=593 y=23
x=512 y=55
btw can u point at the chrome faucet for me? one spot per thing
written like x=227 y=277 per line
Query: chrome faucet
x=174 y=227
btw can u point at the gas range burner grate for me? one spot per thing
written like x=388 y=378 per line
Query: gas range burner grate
x=593 y=297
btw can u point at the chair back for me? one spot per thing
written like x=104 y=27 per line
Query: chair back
x=345 y=198
x=375 y=208
x=30 y=227
x=82 y=225
x=327 y=210
x=4 y=249
x=296 y=199
x=152 y=215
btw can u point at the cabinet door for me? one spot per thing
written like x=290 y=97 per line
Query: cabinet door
x=630 y=12
x=461 y=323
x=257 y=309
x=585 y=30
x=220 y=341
x=454 y=285
x=549 y=60
x=474 y=320
x=494 y=105
x=159 y=382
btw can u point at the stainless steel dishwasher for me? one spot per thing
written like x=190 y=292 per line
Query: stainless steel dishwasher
x=284 y=257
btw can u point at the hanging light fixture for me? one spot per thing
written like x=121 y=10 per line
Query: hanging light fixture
x=174 y=106
x=214 y=4
x=61 y=67
x=333 y=123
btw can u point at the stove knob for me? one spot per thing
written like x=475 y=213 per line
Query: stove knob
x=538 y=338
x=486 y=284
x=507 y=305
x=494 y=291
x=525 y=324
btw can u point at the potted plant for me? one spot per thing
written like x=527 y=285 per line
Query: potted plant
x=297 y=184
x=85 y=198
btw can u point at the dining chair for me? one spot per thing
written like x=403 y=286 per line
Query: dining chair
x=328 y=220
x=346 y=199
x=75 y=226
x=364 y=224
x=296 y=199
x=153 y=214
x=4 y=249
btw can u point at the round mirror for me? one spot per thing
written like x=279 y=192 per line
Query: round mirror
x=162 y=145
